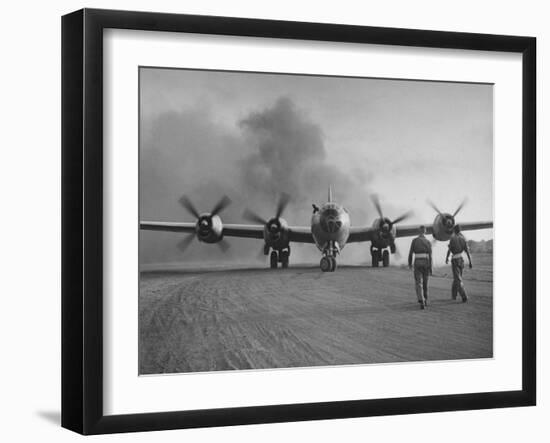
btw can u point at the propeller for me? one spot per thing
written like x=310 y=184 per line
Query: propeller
x=204 y=221
x=281 y=206
x=272 y=225
x=261 y=256
x=405 y=216
x=449 y=218
x=434 y=207
x=460 y=206
x=386 y=223
x=223 y=203
x=376 y=202
x=224 y=245
x=185 y=242
x=252 y=216
x=188 y=204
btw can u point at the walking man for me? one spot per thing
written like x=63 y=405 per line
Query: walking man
x=422 y=250
x=458 y=246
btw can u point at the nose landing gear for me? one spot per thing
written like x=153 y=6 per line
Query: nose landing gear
x=328 y=261
x=328 y=264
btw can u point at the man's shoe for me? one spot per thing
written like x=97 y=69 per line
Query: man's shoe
x=422 y=305
x=464 y=299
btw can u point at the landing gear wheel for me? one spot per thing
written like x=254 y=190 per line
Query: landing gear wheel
x=332 y=264
x=374 y=256
x=273 y=259
x=326 y=264
x=386 y=258
x=284 y=259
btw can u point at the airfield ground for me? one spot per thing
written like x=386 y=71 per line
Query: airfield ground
x=197 y=320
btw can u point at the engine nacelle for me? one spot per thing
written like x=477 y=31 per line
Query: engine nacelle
x=276 y=233
x=385 y=234
x=443 y=227
x=209 y=228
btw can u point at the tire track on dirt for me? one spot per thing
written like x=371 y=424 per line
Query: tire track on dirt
x=254 y=319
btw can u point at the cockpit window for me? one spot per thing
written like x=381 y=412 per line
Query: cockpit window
x=330 y=219
x=330 y=212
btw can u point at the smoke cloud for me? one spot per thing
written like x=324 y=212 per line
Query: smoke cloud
x=289 y=155
x=268 y=151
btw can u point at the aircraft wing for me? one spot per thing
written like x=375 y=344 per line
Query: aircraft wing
x=361 y=234
x=229 y=230
x=297 y=234
x=300 y=234
x=167 y=226
x=243 y=231
x=412 y=230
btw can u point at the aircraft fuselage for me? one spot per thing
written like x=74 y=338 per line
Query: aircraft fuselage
x=330 y=228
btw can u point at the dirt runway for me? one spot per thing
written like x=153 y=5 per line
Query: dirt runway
x=191 y=321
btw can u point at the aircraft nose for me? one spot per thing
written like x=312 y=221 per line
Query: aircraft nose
x=331 y=224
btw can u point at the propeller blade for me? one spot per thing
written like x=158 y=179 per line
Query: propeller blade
x=221 y=205
x=376 y=202
x=403 y=217
x=223 y=245
x=185 y=242
x=281 y=206
x=261 y=255
x=460 y=207
x=432 y=204
x=187 y=204
x=251 y=216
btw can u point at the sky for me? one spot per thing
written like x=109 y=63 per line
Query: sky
x=254 y=135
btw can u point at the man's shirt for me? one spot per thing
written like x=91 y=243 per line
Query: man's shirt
x=420 y=245
x=457 y=244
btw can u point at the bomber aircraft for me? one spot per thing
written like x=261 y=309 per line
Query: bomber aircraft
x=330 y=230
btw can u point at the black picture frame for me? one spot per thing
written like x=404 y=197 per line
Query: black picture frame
x=82 y=218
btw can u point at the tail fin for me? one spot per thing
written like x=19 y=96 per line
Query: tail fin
x=329 y=194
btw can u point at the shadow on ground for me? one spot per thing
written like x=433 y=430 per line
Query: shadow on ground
x=53 y=417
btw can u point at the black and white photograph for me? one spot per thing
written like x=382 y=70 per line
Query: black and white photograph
x=243 y=222
x=293 y=221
